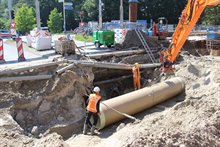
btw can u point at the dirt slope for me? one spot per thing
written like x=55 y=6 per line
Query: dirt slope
x=193 y=122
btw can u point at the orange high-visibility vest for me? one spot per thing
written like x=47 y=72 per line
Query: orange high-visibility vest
x=93 y=100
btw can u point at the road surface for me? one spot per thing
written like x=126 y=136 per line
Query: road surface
x=30 y=54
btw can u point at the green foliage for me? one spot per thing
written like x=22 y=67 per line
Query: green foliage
x=147 y=9
x=4 y=17
x=86 y=38
x=55 y=21
x=212 y=16
x=25 y=19
x=18 y=3
x=4 y=23
x=90 y=7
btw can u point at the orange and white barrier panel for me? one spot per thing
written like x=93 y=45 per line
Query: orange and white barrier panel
x=1 y=52
x=42 y=34
x=20 y=50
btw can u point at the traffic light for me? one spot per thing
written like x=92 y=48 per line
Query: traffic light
x=12 y=14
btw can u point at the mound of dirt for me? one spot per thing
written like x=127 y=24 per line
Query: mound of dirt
x=191 y=119
x=131 y=40
x=41 y=107
x=193 y=122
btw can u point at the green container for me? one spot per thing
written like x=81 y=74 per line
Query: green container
x=103 y=38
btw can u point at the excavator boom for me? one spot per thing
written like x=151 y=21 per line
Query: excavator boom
x=187 y=21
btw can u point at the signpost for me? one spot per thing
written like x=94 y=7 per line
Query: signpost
x=37 y=5
x=12 y=25
x=13 y=30
x=100 y=14
x=9 y=8
x=66 y=6
x=121 y=14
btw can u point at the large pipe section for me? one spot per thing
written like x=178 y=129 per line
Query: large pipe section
x=112 y=65
x=137 y=101
x=25 y=78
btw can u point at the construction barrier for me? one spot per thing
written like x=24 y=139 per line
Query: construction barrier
x=40 y=40
x=20 y=50
x=1 y=52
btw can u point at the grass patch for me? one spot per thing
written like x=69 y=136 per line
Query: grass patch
x=85 y=39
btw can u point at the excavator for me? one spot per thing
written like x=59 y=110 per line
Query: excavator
x=187 y=21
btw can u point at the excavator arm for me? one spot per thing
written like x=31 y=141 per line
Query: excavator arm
x=187 y=21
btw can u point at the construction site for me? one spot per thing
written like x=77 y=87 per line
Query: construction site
x=42 y=101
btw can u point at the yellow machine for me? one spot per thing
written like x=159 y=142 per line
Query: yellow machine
x=187 y=21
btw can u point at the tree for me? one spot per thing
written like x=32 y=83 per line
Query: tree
x=90 y=8
x=4 y=17
x=25 y=19
x=212 y=16
x=55 y=21
x=161 y=8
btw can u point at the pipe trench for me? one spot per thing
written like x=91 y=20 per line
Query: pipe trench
x=139 y=100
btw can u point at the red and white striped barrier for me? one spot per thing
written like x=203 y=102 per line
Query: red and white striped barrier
x=37 y=33
x=1 y=52
x=20 y=50
x=47 y=33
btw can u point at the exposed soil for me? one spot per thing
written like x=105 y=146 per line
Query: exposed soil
x=131 y=40
x=51 y=112
x=191 y=119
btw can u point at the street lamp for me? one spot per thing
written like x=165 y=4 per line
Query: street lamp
x=9 y=8
x=121 y=14
x=64 y=17
x=37 y=5
x=100 y=14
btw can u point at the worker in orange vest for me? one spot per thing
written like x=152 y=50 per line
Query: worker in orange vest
x=136 y=76
x=92 y=110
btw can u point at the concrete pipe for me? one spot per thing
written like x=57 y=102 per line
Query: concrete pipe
x=139 y=100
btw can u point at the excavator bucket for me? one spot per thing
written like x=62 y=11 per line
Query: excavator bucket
x=166 y=66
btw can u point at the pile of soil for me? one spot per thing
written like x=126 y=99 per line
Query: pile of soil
x=35 y=109
x=196 y=48
x=131 y=40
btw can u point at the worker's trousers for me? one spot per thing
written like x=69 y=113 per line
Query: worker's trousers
x=137 y=84
x=88 y=117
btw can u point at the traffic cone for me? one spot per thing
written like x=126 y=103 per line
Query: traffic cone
x=1 y=52
x=20 y=50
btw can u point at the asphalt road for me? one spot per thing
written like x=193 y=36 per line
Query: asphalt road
x=30 y=54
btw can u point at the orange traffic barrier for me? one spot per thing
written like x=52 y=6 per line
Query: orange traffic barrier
x=20 y=50
x=1 y=52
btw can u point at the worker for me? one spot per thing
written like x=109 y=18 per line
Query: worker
x=155 y=29
x=136 y=76
x=92 y=110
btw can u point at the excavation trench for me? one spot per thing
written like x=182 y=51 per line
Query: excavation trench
x=56 y=104
x=43 y=106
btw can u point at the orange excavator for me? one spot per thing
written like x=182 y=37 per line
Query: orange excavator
x=187 y=21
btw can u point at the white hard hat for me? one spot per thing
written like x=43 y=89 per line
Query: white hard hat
x=96 y=89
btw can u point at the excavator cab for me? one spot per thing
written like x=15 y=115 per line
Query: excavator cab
x=162 y=28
